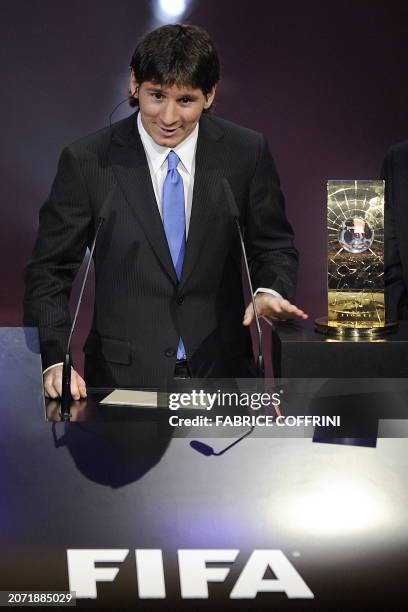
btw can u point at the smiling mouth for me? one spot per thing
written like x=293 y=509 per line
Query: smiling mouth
x=167 y=131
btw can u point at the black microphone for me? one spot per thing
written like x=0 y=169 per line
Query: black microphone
x=67 y=365
x=208 y=451
x=260 y=366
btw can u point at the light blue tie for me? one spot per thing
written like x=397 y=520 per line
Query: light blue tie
x=174 y=221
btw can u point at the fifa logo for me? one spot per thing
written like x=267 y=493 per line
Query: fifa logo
x=194 y=573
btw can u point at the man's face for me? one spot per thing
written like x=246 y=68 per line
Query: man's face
x=170 y=114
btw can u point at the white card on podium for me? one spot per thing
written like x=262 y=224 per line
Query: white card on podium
x=127 y=397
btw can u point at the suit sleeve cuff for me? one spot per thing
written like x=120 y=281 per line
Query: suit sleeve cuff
x=54 y=365
x=271 y=291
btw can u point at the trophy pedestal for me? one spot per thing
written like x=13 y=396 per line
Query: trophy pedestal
x=300 y=352
x=354 y=332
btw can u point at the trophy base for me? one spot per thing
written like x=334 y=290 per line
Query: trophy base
x=349 y=332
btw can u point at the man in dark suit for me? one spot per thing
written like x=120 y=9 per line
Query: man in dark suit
x=395 y=173
x=168 y=287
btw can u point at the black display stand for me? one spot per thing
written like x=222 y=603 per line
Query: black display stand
x=301 y=352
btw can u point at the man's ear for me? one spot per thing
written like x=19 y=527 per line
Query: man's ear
x=133 y=84
x=210 y=97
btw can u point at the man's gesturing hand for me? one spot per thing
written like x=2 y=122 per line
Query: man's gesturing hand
x=53 y=383
x=274 y=308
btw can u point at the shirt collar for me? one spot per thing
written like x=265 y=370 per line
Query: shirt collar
x=157 y=154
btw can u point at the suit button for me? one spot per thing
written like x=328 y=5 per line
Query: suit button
x=180 y=299
x=169 y=352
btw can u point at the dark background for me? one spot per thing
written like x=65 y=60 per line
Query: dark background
x=325 y=81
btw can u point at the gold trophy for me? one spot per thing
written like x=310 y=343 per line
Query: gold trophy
x=355 y=230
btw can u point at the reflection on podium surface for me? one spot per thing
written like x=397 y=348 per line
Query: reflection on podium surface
x=113 y=446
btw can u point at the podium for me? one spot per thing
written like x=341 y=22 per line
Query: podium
x=104 y=486
x=21 y=371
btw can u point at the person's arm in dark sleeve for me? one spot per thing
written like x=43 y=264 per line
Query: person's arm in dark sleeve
x=269 y=241
x=64 y=224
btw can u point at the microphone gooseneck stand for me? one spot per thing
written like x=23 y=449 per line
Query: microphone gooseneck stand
x=201 y=447
x=260 y=366
x=67 y=365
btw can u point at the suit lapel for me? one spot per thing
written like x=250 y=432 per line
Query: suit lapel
x=209 y=166
x=129 y=164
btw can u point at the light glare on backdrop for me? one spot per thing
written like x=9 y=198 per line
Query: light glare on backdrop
x=172 y=8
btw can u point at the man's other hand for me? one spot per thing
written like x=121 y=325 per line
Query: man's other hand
x=274 y=308
x=53 y=383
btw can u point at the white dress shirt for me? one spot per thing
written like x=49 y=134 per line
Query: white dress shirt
x=157 y=159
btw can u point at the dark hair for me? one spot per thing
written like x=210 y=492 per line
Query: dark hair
x=176 y=55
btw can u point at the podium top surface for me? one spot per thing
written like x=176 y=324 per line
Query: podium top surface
x=304 y=331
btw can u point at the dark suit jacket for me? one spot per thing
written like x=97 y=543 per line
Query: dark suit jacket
x=395 y=173
x=140 y=307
